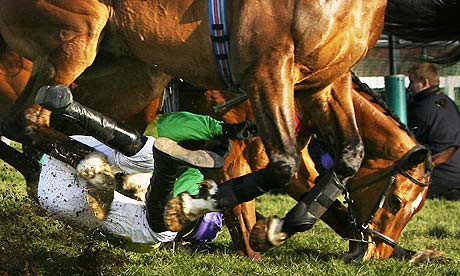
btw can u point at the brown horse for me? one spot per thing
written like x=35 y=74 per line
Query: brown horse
x=390 y=186
x=276 y=47
x=138 y=108
x=388 y=190
x=247 y=157
x=130 y=85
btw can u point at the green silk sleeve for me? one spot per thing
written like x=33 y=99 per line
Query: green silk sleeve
x=188 y=182
x=180 y=126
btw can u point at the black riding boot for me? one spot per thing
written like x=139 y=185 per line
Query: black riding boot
x=171 y=160
x=313 y=204
x=59 y=100
x=160 y=189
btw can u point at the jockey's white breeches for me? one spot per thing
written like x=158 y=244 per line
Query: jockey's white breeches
x=63 y=195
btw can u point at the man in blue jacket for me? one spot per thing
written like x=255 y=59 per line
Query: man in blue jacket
x=435 y=120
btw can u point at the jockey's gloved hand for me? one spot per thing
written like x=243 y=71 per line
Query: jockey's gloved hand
x=241 y=131
x=219 y=144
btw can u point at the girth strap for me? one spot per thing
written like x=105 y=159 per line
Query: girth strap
x=221 y=45
x=220 y=41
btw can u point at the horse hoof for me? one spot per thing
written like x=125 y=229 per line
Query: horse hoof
x=175 y=219
x=426 y=255
x=267 y=234
x=99 y=201
x=255 y=256
x=358 y=253
x=34 y=118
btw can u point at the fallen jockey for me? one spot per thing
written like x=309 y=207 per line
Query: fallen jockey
x=80 y=196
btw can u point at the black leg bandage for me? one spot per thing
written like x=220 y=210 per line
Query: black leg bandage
x=313 y=204
x=240 y=189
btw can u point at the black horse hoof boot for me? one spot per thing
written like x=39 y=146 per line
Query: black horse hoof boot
x=298 y=219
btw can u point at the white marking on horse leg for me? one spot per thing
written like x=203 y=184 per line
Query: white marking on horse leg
x=96 y=171
x=274 y=234
x=138 y=183
x=193 y=208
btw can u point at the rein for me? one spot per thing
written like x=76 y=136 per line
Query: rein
x=397 y=168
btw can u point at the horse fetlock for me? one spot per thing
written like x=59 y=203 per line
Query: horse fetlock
x=279 y=172
x=186 y=208
x=268 y=233
x=96 y=170
x=205 y=202
x=194 y=208
x=34 y=118
x=286 y=165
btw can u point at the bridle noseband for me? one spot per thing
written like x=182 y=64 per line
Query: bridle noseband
x=398 y=167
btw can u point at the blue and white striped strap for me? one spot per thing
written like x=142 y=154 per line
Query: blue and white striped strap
x=220 y=40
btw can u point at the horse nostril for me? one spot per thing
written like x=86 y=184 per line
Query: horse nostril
x=394 y=204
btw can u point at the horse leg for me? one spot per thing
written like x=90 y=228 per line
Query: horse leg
x=341 y=126
x=244 y=157
x=336 y=216
x=28 y=123
x=337 y=109
x=332 y=112
x=273 y=104
x=28 y=167
x=60 y=55
x=241 y=218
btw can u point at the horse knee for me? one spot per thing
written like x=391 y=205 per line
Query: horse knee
x=351 y=159
x=280 y=171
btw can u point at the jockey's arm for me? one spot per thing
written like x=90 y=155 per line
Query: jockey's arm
x=180 y=126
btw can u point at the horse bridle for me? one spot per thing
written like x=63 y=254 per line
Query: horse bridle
x=398 y=167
